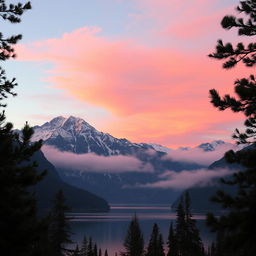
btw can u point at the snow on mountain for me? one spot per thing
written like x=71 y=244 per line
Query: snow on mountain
x=212 y=146
x=159 y=147
x=76 y=135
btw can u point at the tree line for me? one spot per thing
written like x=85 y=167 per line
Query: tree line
x=183 y=239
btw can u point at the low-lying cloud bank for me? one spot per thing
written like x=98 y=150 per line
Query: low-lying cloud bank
x=91 y=162
x=199 y=156
x=187 y=178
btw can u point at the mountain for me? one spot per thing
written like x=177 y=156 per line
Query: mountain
x=75 y=135
x=159 y=148
x=211 y=146
x=79 y=200
x=200 y=196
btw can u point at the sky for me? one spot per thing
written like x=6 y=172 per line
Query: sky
x=137 y=69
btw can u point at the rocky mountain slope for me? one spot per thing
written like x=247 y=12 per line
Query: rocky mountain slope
x=79 y=200
x=75 y=135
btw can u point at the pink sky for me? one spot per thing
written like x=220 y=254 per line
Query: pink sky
x=153 y=80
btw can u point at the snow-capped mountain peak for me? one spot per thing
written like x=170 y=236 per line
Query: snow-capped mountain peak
x=76 y=135
x=211 y=146
x=159 y=147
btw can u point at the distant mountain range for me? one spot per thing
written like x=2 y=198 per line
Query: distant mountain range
x=77 y=136
x=200 y=196
x=209 y=146
x=74 y=134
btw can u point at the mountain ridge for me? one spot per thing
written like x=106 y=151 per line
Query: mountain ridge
x=78 y=200
x=76 y=135
x=81 y=138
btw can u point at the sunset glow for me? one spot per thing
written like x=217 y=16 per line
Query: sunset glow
x=147 y=83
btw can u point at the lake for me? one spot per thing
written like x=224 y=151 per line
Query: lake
x=108 y=230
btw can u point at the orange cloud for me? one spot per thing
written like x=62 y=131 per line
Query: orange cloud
x=157 y=94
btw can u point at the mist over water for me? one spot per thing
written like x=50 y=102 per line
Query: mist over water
x=108 y=230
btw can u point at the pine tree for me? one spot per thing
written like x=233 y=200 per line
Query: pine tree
x=18 y=223
x=59 y=227
x=155 y=246
x=172 y=242
x=90 y=248
x=194 y=242
x=11 y=13
x=106 y=253
x=238 y=226
x=181 y=230
x=100 y=253
x=84 y=247
x=76 y=251
x=185 y=240
x=134 y=241
x=43 y=246
x=161 y=246
x=95 y=250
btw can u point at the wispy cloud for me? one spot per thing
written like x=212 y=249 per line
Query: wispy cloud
x=199 y=156
x=93 y=163
x=187 y=178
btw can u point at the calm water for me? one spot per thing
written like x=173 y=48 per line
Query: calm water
x=108 y=230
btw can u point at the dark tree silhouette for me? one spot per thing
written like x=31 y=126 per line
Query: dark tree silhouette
x=237 y=227
x=194 y=241
x=185 y=239
x=134 y=242
x=161 y=246
x=76 y=251
x=84 y=247
x=12 y=13
x=59 y=226
x=155 y=245
x=90 y=248
x=181 y=230
x=172 y=242
x=95 y=250
x=18 y=223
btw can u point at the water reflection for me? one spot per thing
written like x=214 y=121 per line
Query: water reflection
x=108 y=230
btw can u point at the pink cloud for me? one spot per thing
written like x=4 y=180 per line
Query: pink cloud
x=195 y=26
x=155 y=93
x=130 y=79
x=182 y=19
x=187 y=179
x=93 y=163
